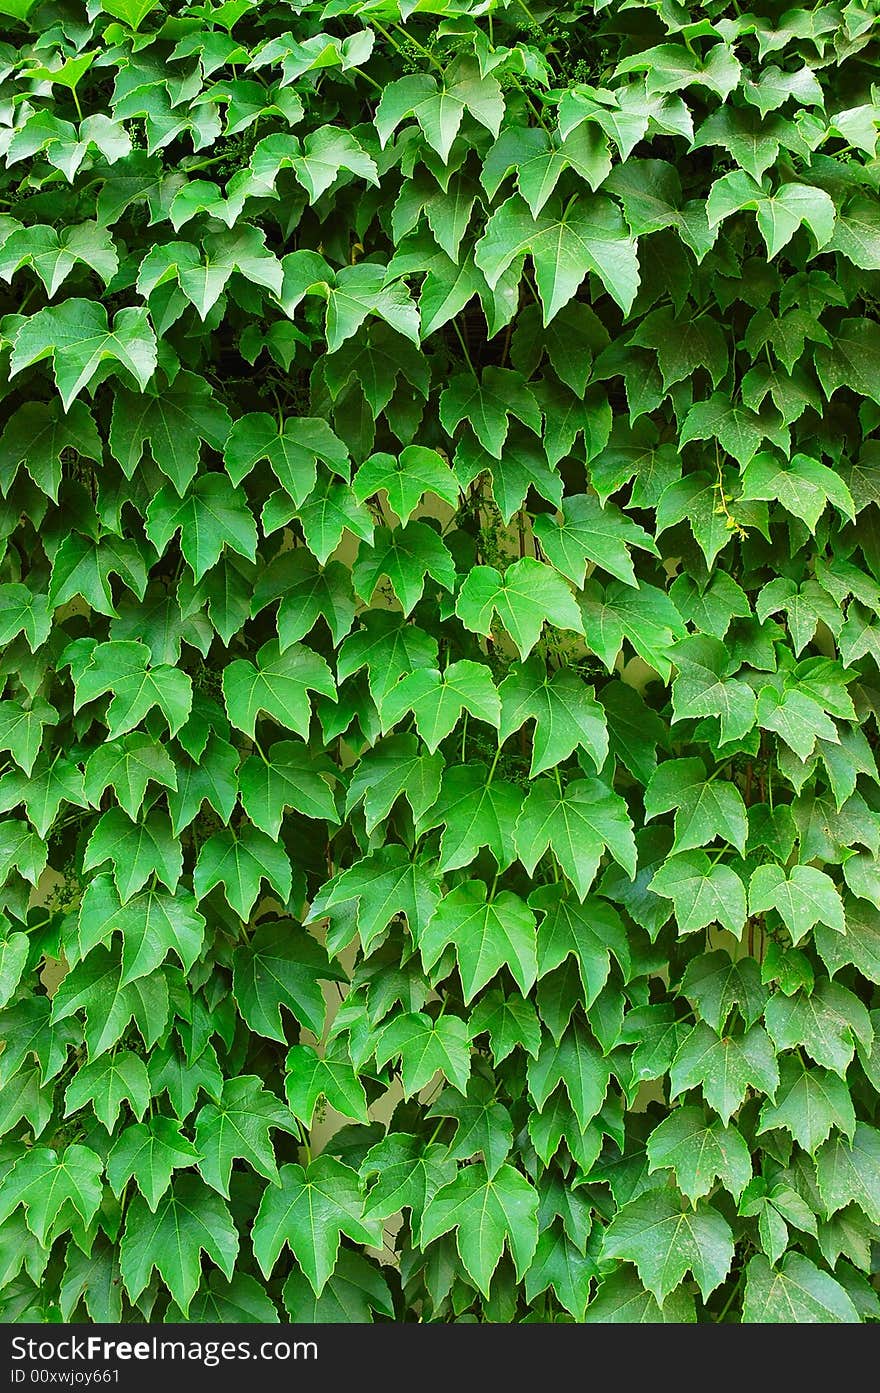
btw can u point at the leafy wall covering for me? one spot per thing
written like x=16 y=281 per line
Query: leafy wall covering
x=440 y=807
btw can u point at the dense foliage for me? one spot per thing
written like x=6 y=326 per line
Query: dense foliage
x=439 y=602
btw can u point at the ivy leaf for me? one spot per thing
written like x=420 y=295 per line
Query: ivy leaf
x=280 y=967
x=779 y=213
x=356 y=1290
x=50 y=1185
x=699 y=1153
x=702 y=892
x=152 y=924
x=795 y=1291
x=278 y=684
x=486 y=1213
x=291 y=779
x=508 y=1021
x=704 y=808
x=827 y=1022
x=566 y=715
x=487 y=936
x=383 y=884
x=107 y=1083
x=425 y=1046
x=437 y=700
x=848 y=1171
x=589 y=532
x=577 y=1063
x=188 y=1221
x=439 y=110
x=528 y=594
x=851 y=360
x=292 y=451
x=310 y=1077
x=397 y=767
x=725 y=1066
x=578 y=824
x=124 y=669
x=405 y=557
x=405 y=479
x=483 y=1126
x=239 y=863
x=149 y=1152
x=237 y=1126
x=665 y=1242
x=811 y=1101
x=36 y=436
x=406 y=1176
x=308 y=1210
x=209 y=518
x=138 y=851
x=805 y=898
x=174 y=421
x=621 y=1299
x=78 y=338
x=487 y=404
x=589 y=234
x=590 y=933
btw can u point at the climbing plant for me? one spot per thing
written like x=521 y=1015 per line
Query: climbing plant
x=441 y=563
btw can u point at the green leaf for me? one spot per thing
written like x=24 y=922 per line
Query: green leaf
x=796 y=1291
x=779 y=213
x=437 y=700
x=209 y=518
x=278 y=685
x=704 y=808
x=848 y=1171
x=826 y=1023
x=725 y=1067
x=589 y=234
x=405 y=479
x=665 y=1242
x=189 y=1220
x=487 y=936
x=851 y=360
x=124 y=669
x=405 y=1175
x=405 y=557
x=36 y=436
x=236 y=1127
x=566 y=715
x=486 y=1213
x=149 y=1152
x=77 y=337
x=621 y=1299
x=174 y=421
x=292 y=779
x=52 y=1187
x=382 y=885
x=810 y=1102
x=308 y=1211
x=280 y=966
x=106 y=1084
x=699 y=1152
x=589 y=532
x=528 y=594
x=292 y=451
x=578 y=824
x=805 y=898
x=425 y=1046
x=487 y=404
x=310 y=1077
x=702 y=892
x=577 y=1063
